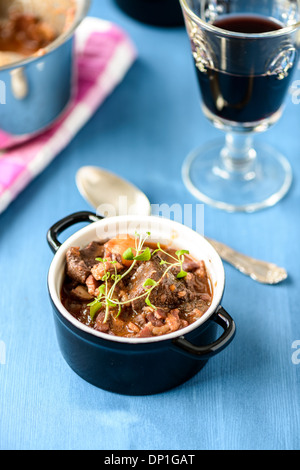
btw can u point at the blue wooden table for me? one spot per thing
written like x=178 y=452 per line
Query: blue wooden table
x=245 y=398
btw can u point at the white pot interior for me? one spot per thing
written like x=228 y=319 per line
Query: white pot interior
x=162 y=230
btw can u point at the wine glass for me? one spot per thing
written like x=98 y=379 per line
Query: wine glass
x=245 y=53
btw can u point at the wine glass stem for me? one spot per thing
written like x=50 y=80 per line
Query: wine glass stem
x=238 y=157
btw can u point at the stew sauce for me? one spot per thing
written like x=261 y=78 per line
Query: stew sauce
x=179 y=296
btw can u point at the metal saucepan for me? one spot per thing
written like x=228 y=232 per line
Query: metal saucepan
x=36 y=90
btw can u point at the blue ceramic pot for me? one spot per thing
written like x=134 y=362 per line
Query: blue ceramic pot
x=137 y=366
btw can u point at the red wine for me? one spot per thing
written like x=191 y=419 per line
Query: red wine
x=248 y=24
x=243 y=98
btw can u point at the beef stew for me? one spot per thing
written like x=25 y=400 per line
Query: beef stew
x=25 y=34
x=131 y=287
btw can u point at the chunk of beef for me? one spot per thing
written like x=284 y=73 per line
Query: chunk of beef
x=154 y=320
x=196 y=281
x=100 y=325
x=140 y=320
x=190 y=264
x=91 y=252
x=76 y=267
x=164 y=295
x=80 y=262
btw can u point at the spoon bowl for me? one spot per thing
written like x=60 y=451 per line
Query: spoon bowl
x=109 y=194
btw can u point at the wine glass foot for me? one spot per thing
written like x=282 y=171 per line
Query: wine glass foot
x=263 y=184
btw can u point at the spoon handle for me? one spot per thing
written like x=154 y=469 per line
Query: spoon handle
x=261 y=271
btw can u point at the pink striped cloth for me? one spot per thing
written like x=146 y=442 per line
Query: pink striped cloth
x=104 y=54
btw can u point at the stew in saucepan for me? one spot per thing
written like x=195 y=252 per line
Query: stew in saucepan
x=131 y=287
x=25 y=34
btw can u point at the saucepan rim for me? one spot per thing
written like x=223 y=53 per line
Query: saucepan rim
x=58 y=264
x=81 y=13
x=284 y=31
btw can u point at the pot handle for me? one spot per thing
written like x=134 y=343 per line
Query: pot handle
x=67 y=222
x=223 y=319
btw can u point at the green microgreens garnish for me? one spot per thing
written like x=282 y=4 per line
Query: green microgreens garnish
x=94 y=308
x=128 y=255
x=106 y=293
x=144 y=256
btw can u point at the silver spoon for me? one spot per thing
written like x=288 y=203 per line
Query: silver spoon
x=103 y=189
